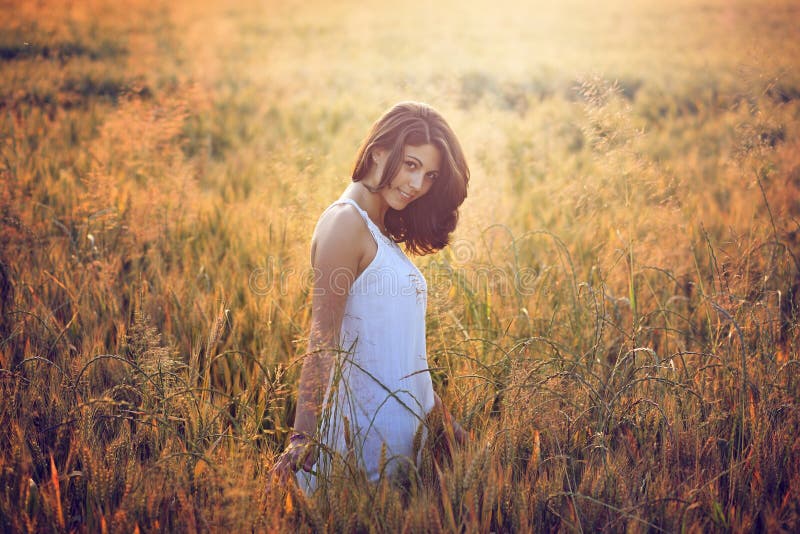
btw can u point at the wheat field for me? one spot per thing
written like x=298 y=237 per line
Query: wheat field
x=615 y=323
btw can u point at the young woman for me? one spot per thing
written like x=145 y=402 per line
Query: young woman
x=365 y=392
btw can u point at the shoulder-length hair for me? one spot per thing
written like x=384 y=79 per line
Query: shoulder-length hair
x=424 y=225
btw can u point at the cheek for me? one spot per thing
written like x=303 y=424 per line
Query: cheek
x=401 y=176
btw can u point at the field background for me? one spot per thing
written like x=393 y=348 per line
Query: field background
x=615 y=323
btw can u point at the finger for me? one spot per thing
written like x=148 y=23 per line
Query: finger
x=284 y=466
x=275 y=479
x=310 y=460
x=275 y=476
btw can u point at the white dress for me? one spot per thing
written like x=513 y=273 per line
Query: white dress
x=380 y=389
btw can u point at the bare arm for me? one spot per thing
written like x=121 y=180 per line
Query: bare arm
x=339 y=246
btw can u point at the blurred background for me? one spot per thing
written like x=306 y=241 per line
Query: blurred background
x=615 y=321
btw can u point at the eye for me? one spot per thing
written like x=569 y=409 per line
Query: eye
x=411 y=164
x=432 y=176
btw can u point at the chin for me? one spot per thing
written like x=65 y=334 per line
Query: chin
x=406 y=202
x=398 y=204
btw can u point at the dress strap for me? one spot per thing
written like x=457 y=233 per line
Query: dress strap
x=373 y=228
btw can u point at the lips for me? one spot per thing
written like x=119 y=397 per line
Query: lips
x=405 y=196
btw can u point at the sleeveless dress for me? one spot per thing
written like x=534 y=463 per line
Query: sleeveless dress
x=380 y=388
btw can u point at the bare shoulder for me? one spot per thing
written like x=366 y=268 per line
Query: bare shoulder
x=339 y=218
x=341 y=235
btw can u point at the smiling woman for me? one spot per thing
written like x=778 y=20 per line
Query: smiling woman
x=365 y=396
x=411 y=139
x=414 y=178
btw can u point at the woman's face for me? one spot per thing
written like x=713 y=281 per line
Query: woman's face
x=418 y=170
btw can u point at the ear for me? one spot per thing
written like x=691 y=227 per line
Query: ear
x=378 y=155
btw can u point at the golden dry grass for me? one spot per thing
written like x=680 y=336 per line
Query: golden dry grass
x=615 y=322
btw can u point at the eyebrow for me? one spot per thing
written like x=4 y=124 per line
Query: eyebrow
x=419 y=161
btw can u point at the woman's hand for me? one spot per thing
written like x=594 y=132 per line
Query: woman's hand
x=300 y=454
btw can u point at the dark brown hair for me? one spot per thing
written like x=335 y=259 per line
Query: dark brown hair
x=425 y=224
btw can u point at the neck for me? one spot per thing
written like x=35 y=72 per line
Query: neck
x=372 y=202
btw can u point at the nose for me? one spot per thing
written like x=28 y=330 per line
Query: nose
x=416 y=181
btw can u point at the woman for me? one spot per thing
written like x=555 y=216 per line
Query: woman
x=365 y=392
